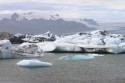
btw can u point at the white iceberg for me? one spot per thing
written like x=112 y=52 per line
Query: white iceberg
x=47 y=46
x=5 y=44
x=75 y=57
x=33 y=63
x=67 y=47
x=79 y=57
x=122 y=45
x=29 y=50
x=110 y=41
x=115 y=49
x=6 y=54
x=95 y=55
x=5 y=49
x=96 y=41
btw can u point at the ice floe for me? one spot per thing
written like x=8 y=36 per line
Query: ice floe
x=33 y=63
x=79 y=57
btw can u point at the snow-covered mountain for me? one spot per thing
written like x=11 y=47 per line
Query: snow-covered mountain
x=24 y=23
x=36 y=23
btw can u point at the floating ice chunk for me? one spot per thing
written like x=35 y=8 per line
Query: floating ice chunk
x=122 y=45
x=67 y=47
x=117 y=49
x=25 y=44
x=110 y=41
x=96 y=41
x=5 y=44
x=29 y=50
x=6 y=54
x=83 y=41
x=47 y=46
x=79 y=57
x=95 y=55
x=75 y=57
x=33 y=63
x=67 y=38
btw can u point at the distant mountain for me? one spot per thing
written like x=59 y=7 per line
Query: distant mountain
x=113 y=27
x=90 y=23
x=35 y=26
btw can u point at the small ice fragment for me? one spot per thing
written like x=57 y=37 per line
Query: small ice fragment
x=75 y=57
x=95 y=55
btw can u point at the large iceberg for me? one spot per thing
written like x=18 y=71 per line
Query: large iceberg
x=33 y=63
x=95 y=41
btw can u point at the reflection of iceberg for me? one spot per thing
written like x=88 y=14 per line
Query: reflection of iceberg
x=79 y=57
x=33 y=63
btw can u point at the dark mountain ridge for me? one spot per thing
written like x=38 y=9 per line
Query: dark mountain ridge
x=37 y=26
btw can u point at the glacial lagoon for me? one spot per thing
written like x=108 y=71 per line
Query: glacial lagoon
x=109 y=68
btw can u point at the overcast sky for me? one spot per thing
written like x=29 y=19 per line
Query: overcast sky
x=100 y=10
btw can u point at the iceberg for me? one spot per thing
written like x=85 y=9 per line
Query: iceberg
x=96 y=41
x=29 y=50
x=33 y=63
x=47 y=46
x=110 y=41
x=95 y=55
x=122 y=45
x=6 y=54
x=75 y=57
x=22 y=51
x=5 y=44
x=67 y=47
x=79 y=57
x=115 y=49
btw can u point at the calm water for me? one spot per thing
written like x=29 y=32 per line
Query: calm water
x=101 y=69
